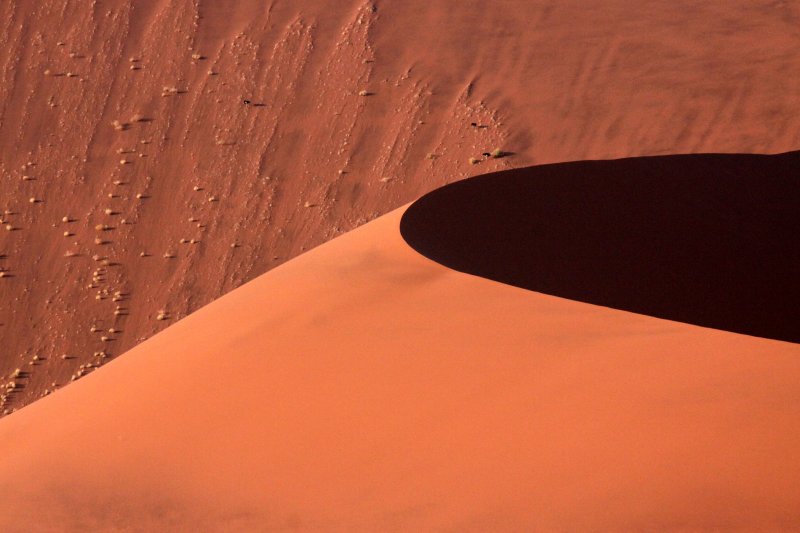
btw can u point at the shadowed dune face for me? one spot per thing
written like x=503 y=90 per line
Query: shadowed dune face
x=706 y=239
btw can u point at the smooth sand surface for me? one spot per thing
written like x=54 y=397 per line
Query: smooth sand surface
x=549 y=80
x=363 y=387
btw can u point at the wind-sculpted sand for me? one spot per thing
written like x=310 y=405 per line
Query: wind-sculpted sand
x=581 y=339
x=364 y=387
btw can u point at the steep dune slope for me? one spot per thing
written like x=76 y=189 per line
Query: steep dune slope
x=362 y=387
x=309 y=158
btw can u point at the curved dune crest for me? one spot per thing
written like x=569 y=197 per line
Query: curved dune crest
x=363 y=387
x=707 y=239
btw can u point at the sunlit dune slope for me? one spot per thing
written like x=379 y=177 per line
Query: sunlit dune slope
x=363 y=387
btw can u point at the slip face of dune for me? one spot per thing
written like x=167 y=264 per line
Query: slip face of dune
x=704 y=239
x=363 y=387
x=225 y=138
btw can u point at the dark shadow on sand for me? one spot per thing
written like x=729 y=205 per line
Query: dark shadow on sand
x=705 y=239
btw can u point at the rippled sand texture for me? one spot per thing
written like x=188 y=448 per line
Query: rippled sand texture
x=155 y=189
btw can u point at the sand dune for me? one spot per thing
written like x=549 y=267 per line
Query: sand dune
x=363 y=387
x=159 y=156
x=161 y=85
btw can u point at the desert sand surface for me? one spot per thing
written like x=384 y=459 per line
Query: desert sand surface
x=136 y=185
x=221 y=191
x=364 y=387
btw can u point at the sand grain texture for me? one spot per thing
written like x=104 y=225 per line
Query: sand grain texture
x=155 y=156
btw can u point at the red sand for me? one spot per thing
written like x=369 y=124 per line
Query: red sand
x=553 y=80
x=362 y=387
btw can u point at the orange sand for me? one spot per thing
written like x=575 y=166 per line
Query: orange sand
x=362 y=387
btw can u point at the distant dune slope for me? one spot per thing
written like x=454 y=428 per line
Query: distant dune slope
x=363 y=387
x=707 y=239
x=137 y=183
